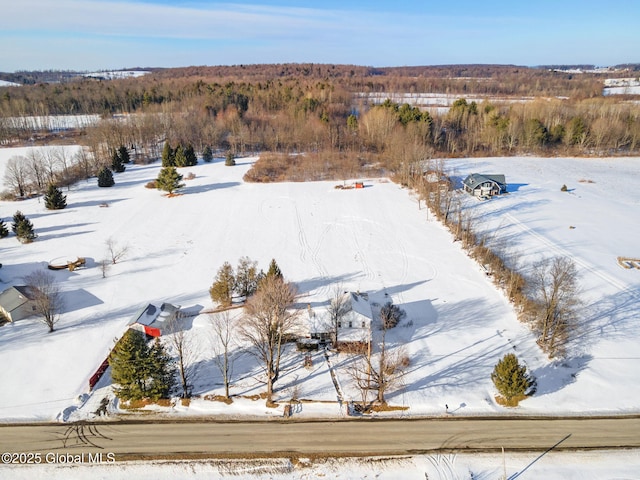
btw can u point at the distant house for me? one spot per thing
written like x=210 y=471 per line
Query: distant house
x=153 y=320
x=480 y=185
x=18 y=302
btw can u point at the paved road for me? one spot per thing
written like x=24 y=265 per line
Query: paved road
x=368 y=437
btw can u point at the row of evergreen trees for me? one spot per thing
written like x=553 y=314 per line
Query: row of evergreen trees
x=179 y=156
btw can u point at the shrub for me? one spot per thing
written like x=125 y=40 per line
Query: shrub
x=151 y=184
x=563 y=188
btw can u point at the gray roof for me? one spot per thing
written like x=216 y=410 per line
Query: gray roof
x=14 y=297
x=475 y=179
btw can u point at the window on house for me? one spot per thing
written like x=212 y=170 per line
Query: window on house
x=339 y=324
x=350 y=324
x=363 y=325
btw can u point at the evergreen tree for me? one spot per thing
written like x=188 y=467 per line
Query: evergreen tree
x=512 y=380
x=105 y=178
x=190 y=155
x=169 y=180
x=180 y=157
x=129 y=366
x=207 y=154
x=168 y=155
x=274 y=269
x=4 y=231
x=161 y=371
x=17 y=218
x=54 y=199
x=223 y=285
x=23 y=228
x=139 y=370
x=230 y=160
x=123 y=153
x=116 y=163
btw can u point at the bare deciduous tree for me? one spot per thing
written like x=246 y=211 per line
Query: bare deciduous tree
x=555 y=290
x=185 y=349
x=16 y=175
x=339 y=307
x=381 y=371
x=223 y=327
x=116 y=251
x=46 y=295
x=266 y=324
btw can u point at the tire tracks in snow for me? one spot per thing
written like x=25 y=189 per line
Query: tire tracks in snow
x=623 y=287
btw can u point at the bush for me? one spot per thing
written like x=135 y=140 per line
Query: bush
x=230 y=160
x=563 y=188
x=151 y=184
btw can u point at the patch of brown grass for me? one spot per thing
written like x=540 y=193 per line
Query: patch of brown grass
x=185 y=402
x=219 y=398
x=513 y=402
x=384 y=407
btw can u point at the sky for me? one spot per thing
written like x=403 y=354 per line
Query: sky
x=112 y=34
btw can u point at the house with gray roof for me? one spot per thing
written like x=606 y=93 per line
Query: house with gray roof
x=485 y=185
x=18 y=302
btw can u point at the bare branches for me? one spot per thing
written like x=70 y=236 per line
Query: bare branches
x=185 y=349
x=554 y=288
x=224 y=331
x=267 y=323
x=116 y=252
x=46 y=296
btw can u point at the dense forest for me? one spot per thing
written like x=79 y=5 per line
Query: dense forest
x=324 y=112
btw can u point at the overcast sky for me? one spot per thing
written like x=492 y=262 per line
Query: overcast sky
x=111 y=34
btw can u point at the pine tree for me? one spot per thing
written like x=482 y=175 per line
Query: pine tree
x=139 y=370
x=207 y=154
x=169 y=180
x=168 y=155
x=17 y=218
x=161 y=371
x=129 y=366
x=116 y=163
x=105 y=178
x=274 y=269
x=23 y=228
x=230 y=160
x=190 y=155
x=512 y=380
x=54 y=199
x=223 y=285
x=4 y=231
x=180 y=157
x=123 y=153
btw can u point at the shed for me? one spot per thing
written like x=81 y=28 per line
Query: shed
x=18 y=302
x=485 y=185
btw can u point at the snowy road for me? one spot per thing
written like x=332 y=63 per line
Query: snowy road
x=356 y=438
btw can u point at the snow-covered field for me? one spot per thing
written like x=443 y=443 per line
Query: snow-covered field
x=374 y=240
x=550 y=466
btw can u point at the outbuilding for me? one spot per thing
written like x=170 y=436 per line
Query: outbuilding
x=18 y=302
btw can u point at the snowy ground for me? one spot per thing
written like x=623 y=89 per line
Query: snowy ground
x=373 y=240
x=550 y=466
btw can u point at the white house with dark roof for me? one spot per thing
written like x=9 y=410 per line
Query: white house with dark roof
x=485 y=185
